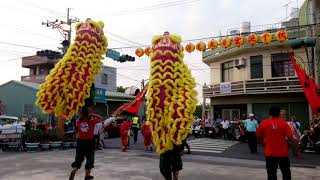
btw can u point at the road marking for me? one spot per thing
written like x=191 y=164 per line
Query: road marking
x=210 y=145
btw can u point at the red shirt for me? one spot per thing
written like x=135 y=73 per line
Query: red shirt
x=85 y=128
x=274 y=131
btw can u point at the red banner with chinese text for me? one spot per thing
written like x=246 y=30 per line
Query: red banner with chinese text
x=308 y=84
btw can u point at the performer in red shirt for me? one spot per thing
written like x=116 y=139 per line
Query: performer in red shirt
x=125 y=133
x=275 y=134
x=85 y=142
x=147 y=137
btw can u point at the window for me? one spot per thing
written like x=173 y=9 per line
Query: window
x=281 y=65
x=230 y=114
x=256 y=69
x=104 y=79
x=227 y=71
x=28 y=109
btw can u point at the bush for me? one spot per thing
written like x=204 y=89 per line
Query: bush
x=33 y=136
x=55 y=135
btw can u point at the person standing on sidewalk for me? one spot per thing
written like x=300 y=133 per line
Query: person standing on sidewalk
x=276 y=133
x=251 y=126
x=135 y=128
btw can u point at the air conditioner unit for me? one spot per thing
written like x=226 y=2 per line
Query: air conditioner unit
x=240 y=62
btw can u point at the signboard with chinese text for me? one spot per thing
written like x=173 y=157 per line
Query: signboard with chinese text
x=225 y=88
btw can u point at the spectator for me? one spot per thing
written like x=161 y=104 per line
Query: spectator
x=225 y=129
x=251 y=126
x=275 y=133
x=97 y=129
x=207 y=125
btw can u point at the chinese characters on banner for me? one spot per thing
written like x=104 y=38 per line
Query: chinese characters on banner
x=226 y=42
x=225 y=88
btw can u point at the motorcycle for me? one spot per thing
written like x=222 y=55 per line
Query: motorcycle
x=198 y=131
x=305 y=144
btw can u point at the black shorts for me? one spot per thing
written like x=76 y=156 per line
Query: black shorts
x=170 y=161
x=85 y=149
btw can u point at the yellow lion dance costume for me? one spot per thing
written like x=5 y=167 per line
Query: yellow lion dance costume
x=68 y=84
x=172 y=97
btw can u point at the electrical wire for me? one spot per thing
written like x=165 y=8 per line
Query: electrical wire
x=153 y=7
x=123 y=38
x=51 y=11
x=20 y=45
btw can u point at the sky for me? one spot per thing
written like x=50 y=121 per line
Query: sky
x=136 y=22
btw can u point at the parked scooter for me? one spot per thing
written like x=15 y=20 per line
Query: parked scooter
x=305 y=143
x=198 y=131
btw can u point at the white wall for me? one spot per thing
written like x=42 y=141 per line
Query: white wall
x=244 y=72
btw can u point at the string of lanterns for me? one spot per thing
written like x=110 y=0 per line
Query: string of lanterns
x=225 y=42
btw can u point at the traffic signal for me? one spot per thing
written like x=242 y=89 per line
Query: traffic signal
x=125 y=57
x=49 y=54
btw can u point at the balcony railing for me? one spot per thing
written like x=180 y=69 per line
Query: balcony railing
x=34 y=78
x=258 y=86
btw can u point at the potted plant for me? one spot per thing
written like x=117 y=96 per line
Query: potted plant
x=67 y=142
x=44 y=144
x=32 y=140
x=55 y=139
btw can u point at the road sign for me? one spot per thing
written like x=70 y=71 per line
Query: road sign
x=115 y=55
x=100 y=95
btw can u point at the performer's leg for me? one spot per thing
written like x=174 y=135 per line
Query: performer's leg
x=176 y=162
x=90 y=153
x=165 y=165
x=78 y=159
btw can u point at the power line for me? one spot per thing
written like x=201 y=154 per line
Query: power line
x=51 y=11
x=20 y=45
x=123 y=38
x=154 y=7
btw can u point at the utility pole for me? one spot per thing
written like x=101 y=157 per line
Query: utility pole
x=65 y=33
x=69 y=23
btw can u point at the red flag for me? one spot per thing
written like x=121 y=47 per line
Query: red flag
x=132 y=107
x=309 y=86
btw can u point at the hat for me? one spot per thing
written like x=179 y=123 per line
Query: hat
x=251 y=115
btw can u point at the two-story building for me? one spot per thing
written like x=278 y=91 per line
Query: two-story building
x=250 y=79
x=18 y=97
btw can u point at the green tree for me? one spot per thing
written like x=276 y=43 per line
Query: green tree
x=121 y=89
x=198 y=111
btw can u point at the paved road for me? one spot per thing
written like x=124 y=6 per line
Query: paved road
x=111 y=164
x=221 y=148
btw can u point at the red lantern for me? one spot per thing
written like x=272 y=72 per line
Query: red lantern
x=201 y=46
x=266 y=38
x=190 y=47
x=225 y=42
x=139 y=52
x=148 y=51
x=281 y=36
x=212 y=44
x=238 y=41
x=252 y=39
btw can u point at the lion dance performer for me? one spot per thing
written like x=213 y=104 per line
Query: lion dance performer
x=68 y=84
x=125 y=134
x=172 y=100
x=147 y=137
